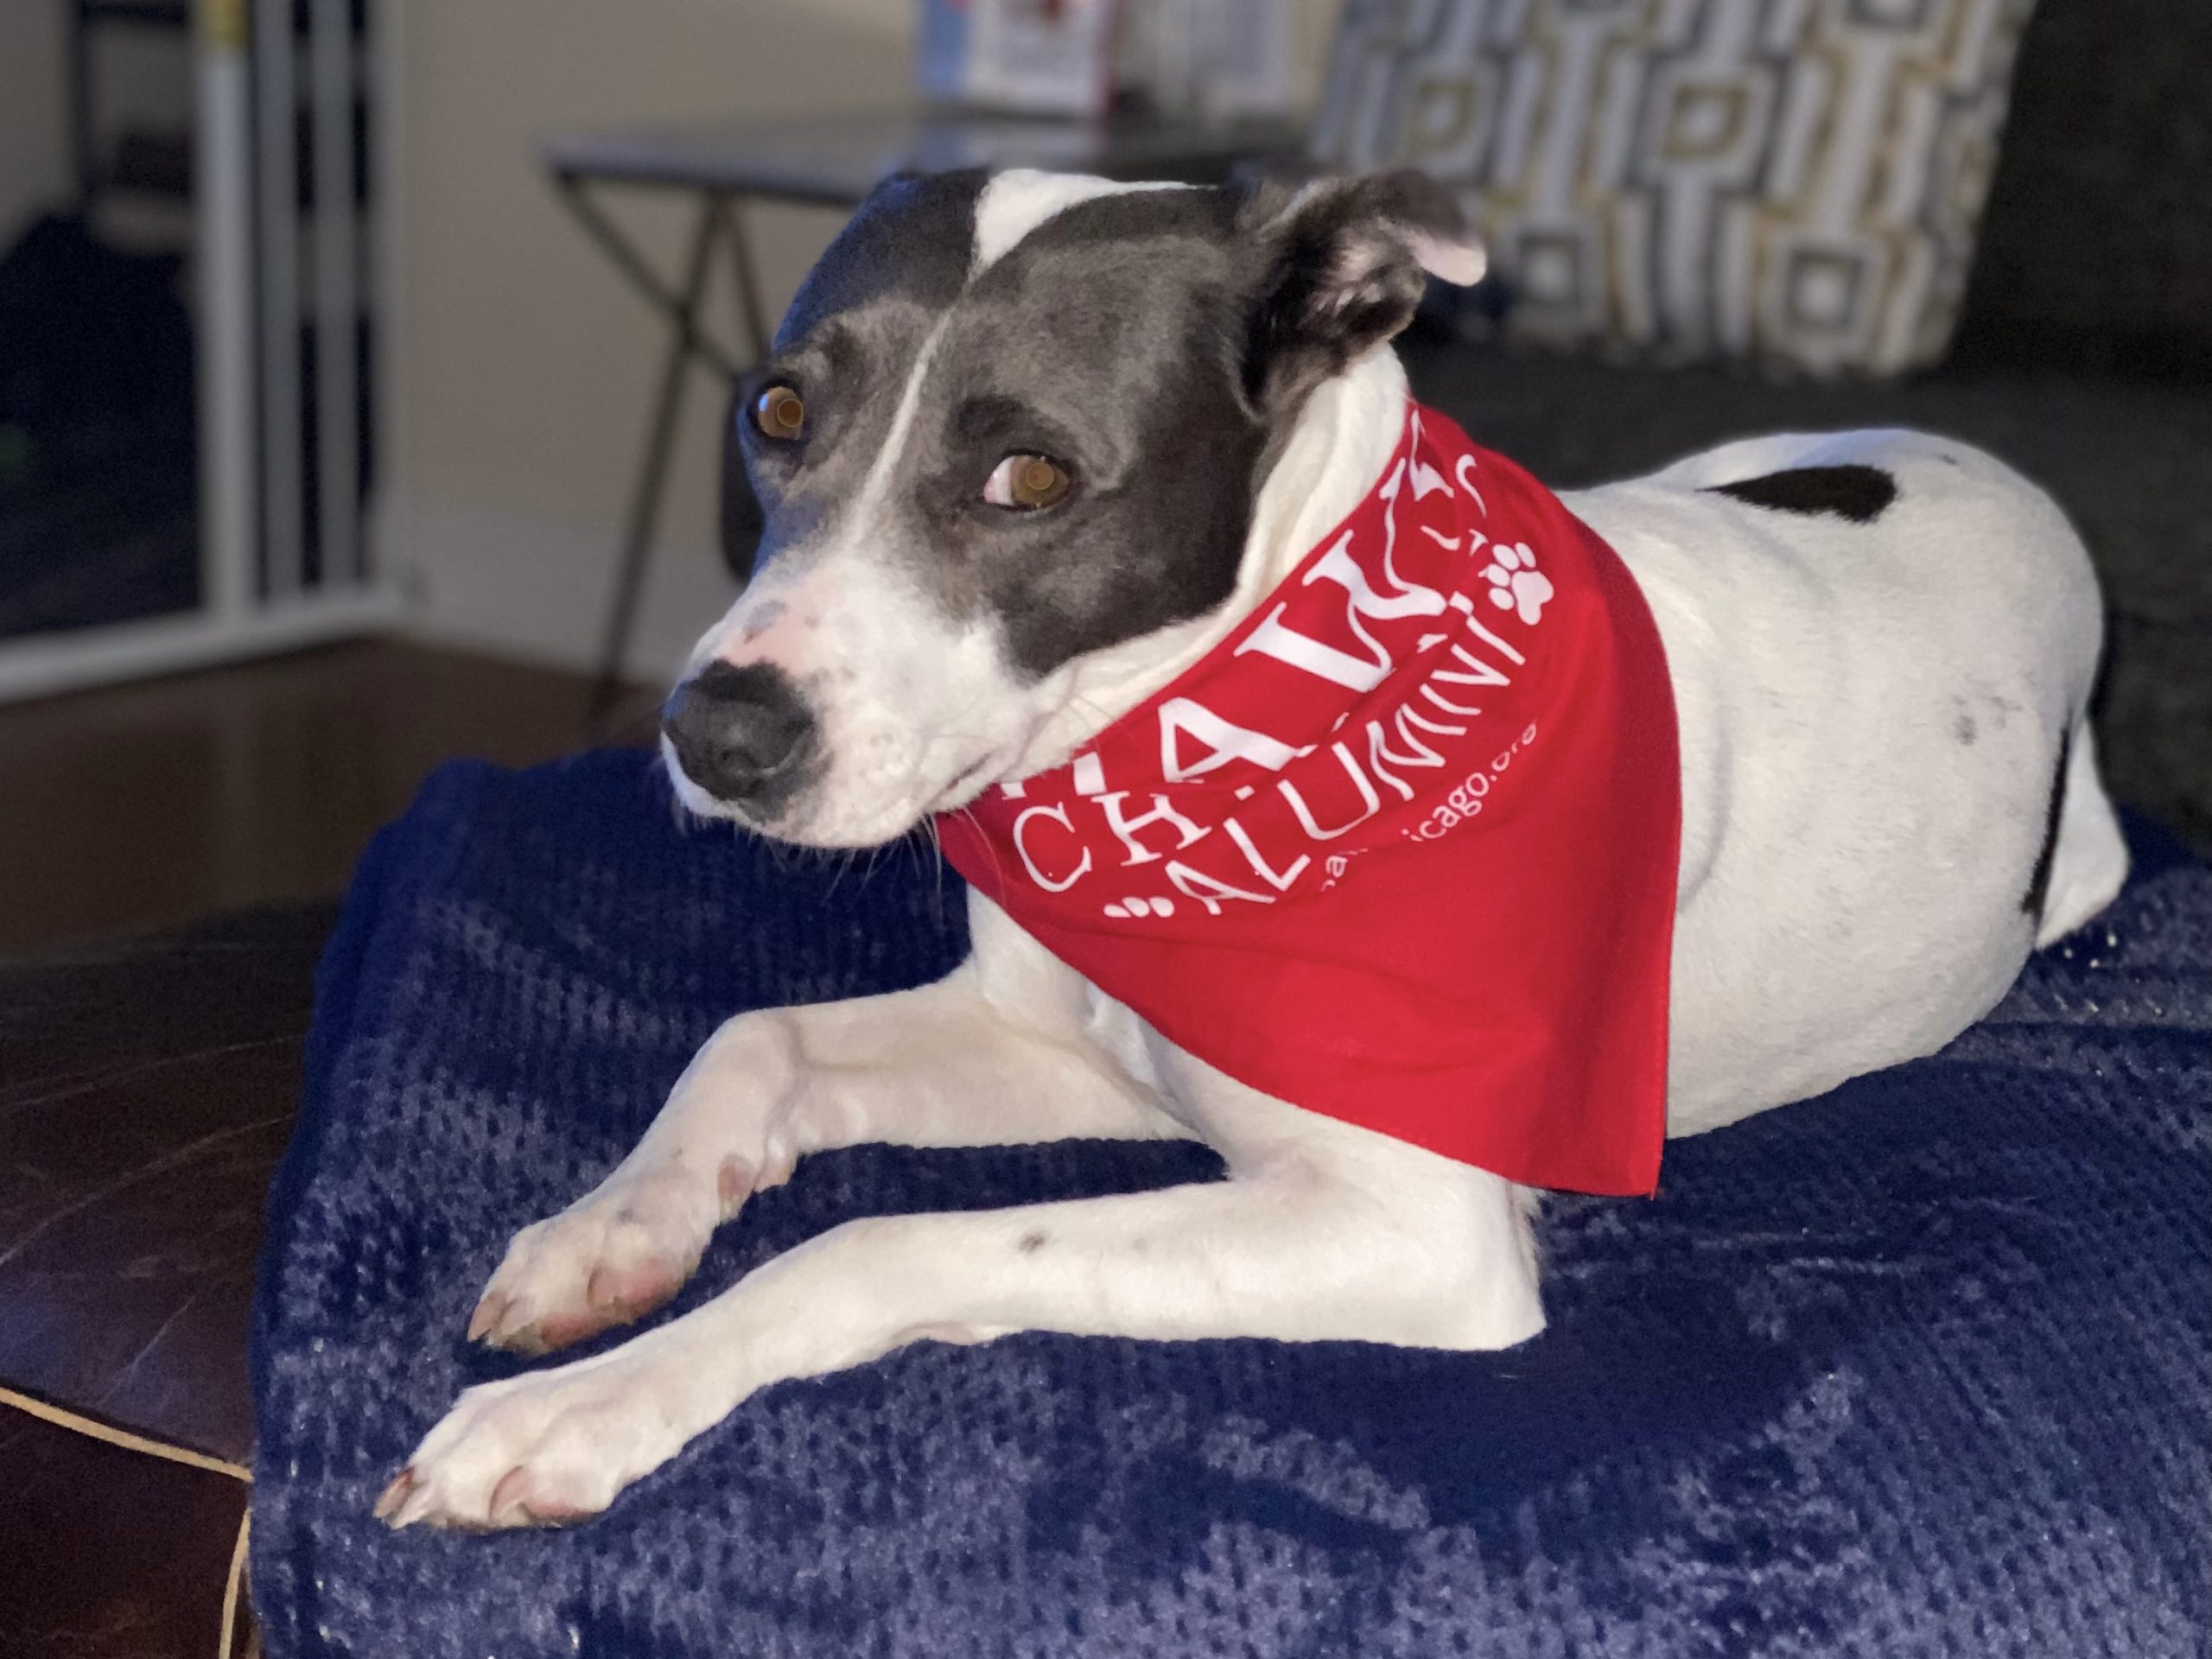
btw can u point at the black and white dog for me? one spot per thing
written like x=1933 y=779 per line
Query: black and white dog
x=1027 y=448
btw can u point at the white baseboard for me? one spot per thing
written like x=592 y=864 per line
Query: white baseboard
x=40 y=665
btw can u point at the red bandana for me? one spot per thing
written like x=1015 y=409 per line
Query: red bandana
x=1402 y=849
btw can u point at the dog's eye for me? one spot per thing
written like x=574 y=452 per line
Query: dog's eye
x=779 y=413
x=1026 y=483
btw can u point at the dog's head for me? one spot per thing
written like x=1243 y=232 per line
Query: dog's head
x=1012 y=429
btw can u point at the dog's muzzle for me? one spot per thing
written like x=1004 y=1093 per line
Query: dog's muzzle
x=741 y=735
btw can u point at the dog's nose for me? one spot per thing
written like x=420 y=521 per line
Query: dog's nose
x=739 y=733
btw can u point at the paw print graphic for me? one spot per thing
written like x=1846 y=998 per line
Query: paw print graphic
x=1129 y=907
x=1515 y=584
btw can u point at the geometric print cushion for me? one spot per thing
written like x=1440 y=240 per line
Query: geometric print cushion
x=1795 y=182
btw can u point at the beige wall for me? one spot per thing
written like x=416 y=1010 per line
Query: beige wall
x=142 y=78
x=521 y=366
x=33 y=145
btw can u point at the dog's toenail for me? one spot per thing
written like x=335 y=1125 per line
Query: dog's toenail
x=510 y=1495
x=396 y=1494
x=486 y=1317
x=735 y=1181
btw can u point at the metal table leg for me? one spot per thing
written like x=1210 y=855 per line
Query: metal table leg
x=685 y=342
x=720 y=214
x=748 y=284
x=669 y=301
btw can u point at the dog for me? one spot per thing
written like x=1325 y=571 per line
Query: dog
x=1026 y=448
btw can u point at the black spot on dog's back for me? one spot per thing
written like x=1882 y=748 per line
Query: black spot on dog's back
x=2039 y=880
x=1861 y=494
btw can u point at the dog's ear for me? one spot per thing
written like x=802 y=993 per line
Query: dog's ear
x=1342 y=264
x=742 y=518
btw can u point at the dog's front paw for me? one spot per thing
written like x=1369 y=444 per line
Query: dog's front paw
x=545 y=1449
x=617 y=1254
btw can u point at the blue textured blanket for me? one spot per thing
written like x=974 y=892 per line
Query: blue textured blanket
x=1921 y=1368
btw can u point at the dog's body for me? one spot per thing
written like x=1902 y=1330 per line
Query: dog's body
x=1881 y=647
x=1881 y=726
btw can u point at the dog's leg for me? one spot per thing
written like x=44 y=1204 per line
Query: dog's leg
x=996 y=1053
x=1323 y=1232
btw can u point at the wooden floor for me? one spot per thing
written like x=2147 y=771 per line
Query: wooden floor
x=141 y=806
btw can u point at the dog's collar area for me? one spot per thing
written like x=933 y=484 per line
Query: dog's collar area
x=1389 y=797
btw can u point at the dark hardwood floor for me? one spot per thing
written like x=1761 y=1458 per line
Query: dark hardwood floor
x=144 y=806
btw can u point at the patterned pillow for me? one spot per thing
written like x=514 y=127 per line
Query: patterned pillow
x=1794 y=181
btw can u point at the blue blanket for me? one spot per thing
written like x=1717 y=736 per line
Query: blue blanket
x=1921 y=1368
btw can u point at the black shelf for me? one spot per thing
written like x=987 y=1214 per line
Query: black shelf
x=152 y=13
x=141 y=174
x=148 y=164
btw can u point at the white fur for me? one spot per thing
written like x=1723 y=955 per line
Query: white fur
x=1017 y=201
x=1463 y=263
x=908 y=704
x=898 y=692
x=1323 y=1232
x=1852 y=870
x=1461 y=260
x=912 y=710
x=1849 y=897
